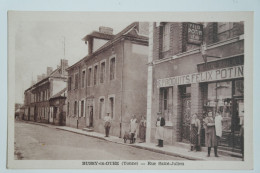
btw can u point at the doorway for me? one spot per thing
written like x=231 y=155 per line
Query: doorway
x=186 y=113
x=90 y=113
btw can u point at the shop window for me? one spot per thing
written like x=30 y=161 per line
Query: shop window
x=239 y=88
x=112 y=68
x=165 y=103
x=102 y=72
x=220 y=100
x=83 y=78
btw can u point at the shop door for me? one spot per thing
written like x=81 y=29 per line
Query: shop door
x=186 y=115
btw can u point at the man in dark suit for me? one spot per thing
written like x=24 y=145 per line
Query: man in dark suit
x=159 y=134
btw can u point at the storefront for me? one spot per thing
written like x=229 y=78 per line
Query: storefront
x=216 y=87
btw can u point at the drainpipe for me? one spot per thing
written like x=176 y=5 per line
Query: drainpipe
x=123 y=53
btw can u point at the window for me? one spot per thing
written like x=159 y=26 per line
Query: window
x=224 y=30
x=111 y=100
x=76 y=81
x=47 y=94
x=68 y=109
x=166 y=37
x=95 y=74
x=69 y=83
x=82 y=108
x=89 y=76
x=83 y=79
x=112 y=68
x=102 y=72
x=224 y=26
x=166 y=103
x=219 y=98
x=101 y=107
x=163 y=99
x=75 y=108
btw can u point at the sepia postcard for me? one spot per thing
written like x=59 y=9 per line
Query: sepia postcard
x=130 y=90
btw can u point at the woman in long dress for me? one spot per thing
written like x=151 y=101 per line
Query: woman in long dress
x=194 y=133
x=133 y=128
x=142 y=129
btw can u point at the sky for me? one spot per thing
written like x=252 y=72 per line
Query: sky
x=39 y=42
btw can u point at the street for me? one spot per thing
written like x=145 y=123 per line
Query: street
x=36 y=142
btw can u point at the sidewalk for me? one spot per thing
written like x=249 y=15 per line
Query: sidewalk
x=178 y=151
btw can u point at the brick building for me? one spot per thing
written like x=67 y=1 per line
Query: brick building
x=112 y=79
x=36 y=100
x=195 y=68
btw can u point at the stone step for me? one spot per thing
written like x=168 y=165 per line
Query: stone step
x=88 y=129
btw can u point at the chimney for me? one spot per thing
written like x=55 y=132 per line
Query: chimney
x=49 y=71
x=143 y=28
x=39 y=77
x=43 y=76
x=32 y=82
x=106 y=30
x=64 y=65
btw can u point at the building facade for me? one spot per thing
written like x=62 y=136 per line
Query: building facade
x=196 y=68
x=36 y=100
x=110 y=79
x=58 y=108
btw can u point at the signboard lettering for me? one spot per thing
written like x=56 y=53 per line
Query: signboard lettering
x=206 y=76
x=194 y=33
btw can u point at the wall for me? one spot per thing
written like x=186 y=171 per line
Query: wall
x=76 y=95
x=58 y=85
x=186 y=64
x=134 y=82
x=109 y=87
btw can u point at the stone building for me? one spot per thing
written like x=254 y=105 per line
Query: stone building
x=36 y=100
x=196 y=68
x=112 y=79
x=58 y=108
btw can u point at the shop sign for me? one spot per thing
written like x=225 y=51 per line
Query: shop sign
x=194 y=33
x=206 y=76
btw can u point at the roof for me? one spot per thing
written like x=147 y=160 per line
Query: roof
x=96 y=34
x=128 y=32
x=124 y=32
x=55 y=74
x=62 y=93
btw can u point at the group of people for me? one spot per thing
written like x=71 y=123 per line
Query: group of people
x=133 y=128
x=213 y=132
x=212 y=126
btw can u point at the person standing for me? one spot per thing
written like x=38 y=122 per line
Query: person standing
x=133 y=127
x=194 y=133
x=242 y=135
x=159 y=134
x=210 y=134
x=107 y=124
x=142 y=129
x=218 y=127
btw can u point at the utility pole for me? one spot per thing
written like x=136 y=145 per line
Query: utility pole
x=64 y=44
